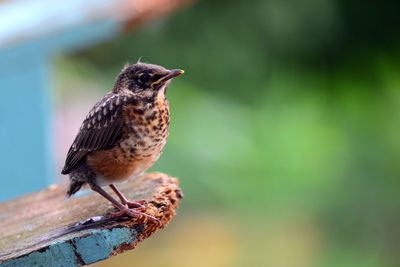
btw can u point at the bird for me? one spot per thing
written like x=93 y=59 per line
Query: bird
x=123 y=135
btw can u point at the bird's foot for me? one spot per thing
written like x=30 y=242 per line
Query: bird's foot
x=132 y=213
x=137 y=206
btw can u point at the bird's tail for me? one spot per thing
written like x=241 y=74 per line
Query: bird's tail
x=74 y=187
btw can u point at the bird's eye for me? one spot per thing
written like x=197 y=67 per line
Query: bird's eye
x=144 y=78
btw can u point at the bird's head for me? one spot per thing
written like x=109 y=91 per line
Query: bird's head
x=145 y=80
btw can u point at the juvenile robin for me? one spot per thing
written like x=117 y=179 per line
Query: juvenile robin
x=123 y=134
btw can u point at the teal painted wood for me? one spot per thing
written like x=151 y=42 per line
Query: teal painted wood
x=25 y=160
x=61 y=254
x=105 y=241
x=75 y=251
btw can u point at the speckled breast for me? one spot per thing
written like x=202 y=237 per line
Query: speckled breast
x=145 y=133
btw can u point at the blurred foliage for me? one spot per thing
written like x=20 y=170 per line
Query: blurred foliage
x=289 y=112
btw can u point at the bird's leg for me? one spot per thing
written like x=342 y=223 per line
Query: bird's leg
x=123 y=210
x=137 y=205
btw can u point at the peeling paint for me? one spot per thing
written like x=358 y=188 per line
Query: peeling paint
x=59 y=254
x=65 y=253
x=104 y=241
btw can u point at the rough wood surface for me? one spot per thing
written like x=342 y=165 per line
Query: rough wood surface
x=47 y=229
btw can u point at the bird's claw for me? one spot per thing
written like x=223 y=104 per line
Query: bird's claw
x=132 y=213
x=137 y=206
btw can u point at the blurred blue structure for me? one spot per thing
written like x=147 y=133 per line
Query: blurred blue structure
x=32 y=33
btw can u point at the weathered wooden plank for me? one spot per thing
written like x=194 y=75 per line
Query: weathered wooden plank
x=47 y=229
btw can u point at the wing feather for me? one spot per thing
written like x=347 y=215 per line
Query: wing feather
x=100 y=130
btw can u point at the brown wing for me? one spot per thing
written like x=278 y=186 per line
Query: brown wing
x=101 y=129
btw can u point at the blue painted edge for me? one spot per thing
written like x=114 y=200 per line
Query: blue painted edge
x=101 y=243
x=94 y=246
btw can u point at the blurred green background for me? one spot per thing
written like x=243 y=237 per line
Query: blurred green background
x=284 y=130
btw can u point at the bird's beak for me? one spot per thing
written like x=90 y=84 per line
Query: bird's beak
x=170 y=74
